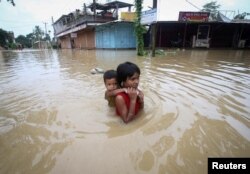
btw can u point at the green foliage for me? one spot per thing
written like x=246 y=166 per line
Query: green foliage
x=160 y=52
x=47 y=37
x=38 y=33
x=241 y=15
x=139 y=29
x=12 y=45
x=157 y=52
x=30 y=36
x=5 y=38
x=211 y=7
x=11 y=1
x=26 y=42
x=3 y=35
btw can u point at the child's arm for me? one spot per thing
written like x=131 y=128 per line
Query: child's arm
x=125 y=113
x=114 y=92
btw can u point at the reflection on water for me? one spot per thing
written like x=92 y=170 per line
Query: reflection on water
x=54 y=119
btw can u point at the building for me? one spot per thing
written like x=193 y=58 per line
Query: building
x=115 y=35
x=77 y=29
x=195 y=30
x=41 y=45
x=96 y=26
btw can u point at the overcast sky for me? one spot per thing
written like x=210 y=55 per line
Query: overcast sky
x=23 y=18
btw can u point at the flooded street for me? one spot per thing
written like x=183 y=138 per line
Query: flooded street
x=54 y=118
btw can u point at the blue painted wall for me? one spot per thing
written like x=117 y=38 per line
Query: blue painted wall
x=115 y=35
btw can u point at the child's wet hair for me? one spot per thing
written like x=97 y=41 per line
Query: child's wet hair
x=125 y=70
x=109 y=74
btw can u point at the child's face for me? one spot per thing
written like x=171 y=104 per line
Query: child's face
x=111 y=84
x=132 y=81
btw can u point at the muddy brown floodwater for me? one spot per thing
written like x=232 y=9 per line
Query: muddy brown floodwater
x=54 y=119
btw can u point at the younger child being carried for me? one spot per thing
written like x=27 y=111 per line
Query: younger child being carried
x=112 y=89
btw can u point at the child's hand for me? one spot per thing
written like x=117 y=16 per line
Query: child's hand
x=125 y=90
x=132 y=93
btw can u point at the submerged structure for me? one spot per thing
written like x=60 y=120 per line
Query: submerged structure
x=197 y=30
x=97 y=26
x=78 y=29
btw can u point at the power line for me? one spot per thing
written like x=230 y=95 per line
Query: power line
x=193 y=5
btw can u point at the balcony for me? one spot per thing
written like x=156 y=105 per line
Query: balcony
x=94 y=14
x=68 y=22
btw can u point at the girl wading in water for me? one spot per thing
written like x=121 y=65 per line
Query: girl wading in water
x=128 y=103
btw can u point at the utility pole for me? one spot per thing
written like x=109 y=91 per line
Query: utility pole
x=52 y=20
x=45 y=25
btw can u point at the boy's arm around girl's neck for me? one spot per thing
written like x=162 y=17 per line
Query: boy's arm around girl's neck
x=113 y=93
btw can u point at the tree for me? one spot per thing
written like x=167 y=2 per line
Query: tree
x=3 y=35
x=211 y=7
x=47 y=37
x=11 y=1
x=31 y=38
x=38 y=33
x=241 y=15
x=139 y=29
x=21 y=39
x=5 y=38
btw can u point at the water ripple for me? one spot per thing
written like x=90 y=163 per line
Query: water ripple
x=195 y=101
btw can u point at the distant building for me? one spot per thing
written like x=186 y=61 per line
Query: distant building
x=77 y=29
x=41 y=45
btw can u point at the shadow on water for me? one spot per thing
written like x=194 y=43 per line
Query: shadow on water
x=54 y=119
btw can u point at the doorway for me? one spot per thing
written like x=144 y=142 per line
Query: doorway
x=202 y=38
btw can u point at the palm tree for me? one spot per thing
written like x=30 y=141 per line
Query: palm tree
x=38 y=33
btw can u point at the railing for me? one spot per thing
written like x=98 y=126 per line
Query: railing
x=81 y=20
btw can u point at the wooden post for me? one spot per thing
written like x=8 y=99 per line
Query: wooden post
x=129 y=9
x=116 y=11
x=153 y=33
x=159 y=29
x=184 y=36
x=153 y=40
